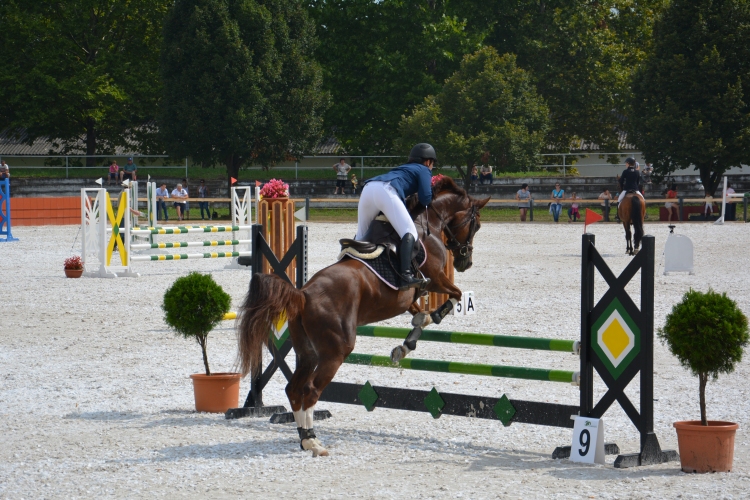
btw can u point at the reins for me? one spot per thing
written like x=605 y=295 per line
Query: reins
x=453 y=244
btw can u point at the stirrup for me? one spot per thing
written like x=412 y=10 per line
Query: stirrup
x=408 y=280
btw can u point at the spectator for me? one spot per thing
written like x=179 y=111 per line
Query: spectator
x=4 y=170
x=486 y=174
x=558 y=195
x=129 y=171
x=342 y=173
x=647 y=172
x=114 y=169
x=354 y=183
x=203 y=193
x=161 y=204
x=523 y=196
x=605 y=195
x=731 y=210
x=474 y=175
x=672 y=194
x=573 y=213
x=179 y=194
x=187 y=203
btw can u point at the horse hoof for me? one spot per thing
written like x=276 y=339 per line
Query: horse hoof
x=315 y=446
x=420 y=319
x=398 y=353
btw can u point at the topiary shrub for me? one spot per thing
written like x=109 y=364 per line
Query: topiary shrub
x=707 y=332
x=193 y=306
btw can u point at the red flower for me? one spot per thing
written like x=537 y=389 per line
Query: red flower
x=73 y=262
x=436 y=178
x=275 y=188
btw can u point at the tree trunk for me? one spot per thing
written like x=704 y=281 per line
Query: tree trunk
x=702 y=379
x=202 y=341
x=90 y=141
x=233 y=164
x=466 y=175
x=709 y=178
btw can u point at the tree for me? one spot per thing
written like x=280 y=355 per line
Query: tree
x=81 y=68
x=380 y=59
x=487 y=112
x=580 y=55
x=240 y=84
x=691 y=95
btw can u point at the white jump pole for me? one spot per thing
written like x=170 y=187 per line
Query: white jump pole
x=720 y=220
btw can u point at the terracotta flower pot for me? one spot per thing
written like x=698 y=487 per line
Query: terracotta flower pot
x=216 y=393
x=73 y=273
x=706 y=448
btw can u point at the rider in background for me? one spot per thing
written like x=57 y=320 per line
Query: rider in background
x=630 y=180
x=386 y=193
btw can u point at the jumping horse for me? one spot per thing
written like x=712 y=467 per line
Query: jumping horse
x=632 y=210
x=324 y=314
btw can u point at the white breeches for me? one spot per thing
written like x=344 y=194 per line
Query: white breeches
x=623 y=193
x=381 y=197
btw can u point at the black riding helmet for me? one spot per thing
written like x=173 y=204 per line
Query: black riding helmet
x=422 y=152
x=630 y=161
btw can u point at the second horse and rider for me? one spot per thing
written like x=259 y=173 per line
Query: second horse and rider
x=393 y=259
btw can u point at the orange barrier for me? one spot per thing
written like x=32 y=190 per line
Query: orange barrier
x=46 y=211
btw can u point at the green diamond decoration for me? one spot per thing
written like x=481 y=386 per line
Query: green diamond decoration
x=504 y=410
x=368 y=396
x=278 y=342
x=434 y=403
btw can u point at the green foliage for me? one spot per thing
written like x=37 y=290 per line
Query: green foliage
x=580 y=55
x=81 y=68
x=487 y=112
x=381 y=58
x=691 y=95
x=707 y=333
x=193 y=306
x=240 y=84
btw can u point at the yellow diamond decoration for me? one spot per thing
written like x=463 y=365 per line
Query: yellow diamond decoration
x=615 y=338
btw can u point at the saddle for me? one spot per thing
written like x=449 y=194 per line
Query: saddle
x=380 y=234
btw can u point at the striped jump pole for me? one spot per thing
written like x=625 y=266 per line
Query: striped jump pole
x=185 y=230
x=182 y=244
x=430 y=365
x=185 y=256
x=538 y=344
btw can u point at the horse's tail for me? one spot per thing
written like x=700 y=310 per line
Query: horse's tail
x=636 y=218
x=269 y=296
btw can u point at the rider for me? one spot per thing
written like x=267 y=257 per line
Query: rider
x=629 y=180
x=386 y=193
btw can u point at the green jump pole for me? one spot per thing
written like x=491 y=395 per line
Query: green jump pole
x=464 y=368
x=537 y=344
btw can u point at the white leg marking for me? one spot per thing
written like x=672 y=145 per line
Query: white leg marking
x=299 y=418
x=309 y=418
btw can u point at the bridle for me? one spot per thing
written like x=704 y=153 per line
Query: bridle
x=453 y=244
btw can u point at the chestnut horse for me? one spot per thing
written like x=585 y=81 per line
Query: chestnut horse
x=632 y=210
x=324 y=314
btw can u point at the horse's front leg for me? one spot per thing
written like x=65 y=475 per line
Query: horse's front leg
x=418 y=321
x=442 y=284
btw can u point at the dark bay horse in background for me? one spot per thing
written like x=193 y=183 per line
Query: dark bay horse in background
x=324 y=314
x=632 y=210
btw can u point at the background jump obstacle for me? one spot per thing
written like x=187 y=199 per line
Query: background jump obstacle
x=616 y=341
x=5 y=222
x=104 y=232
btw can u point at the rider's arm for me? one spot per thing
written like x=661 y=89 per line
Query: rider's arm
x=425 y=187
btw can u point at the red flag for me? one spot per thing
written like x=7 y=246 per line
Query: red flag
x=233 y=180
x=257 y=183
x=591 y=217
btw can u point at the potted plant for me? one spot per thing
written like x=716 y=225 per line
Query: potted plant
x=707 y=333
x=73 y=267
x=193 y=306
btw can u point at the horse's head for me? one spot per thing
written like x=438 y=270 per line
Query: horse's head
x=459 y=217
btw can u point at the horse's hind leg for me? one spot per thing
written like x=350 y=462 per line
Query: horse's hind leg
x=628 y=240
x=298 y=387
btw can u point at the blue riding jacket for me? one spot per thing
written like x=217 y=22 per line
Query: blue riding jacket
x=630 y=180
x=409 y=179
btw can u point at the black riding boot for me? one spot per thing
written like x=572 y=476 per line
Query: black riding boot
x=408 y=280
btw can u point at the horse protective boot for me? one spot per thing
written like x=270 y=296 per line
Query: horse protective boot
x=408 y=280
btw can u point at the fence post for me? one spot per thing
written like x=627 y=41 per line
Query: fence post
x=606 y=210
x=744 y=208
x=66 y=167
x=186 y=167
x=531 y=209
x=681 y=204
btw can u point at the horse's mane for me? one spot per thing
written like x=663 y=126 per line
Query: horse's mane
x=447 y=185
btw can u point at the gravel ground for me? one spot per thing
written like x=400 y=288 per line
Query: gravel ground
x=95 y=398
